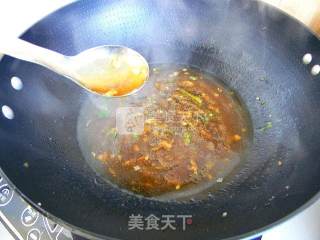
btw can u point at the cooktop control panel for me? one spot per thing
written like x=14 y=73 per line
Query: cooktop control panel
x=23 y=222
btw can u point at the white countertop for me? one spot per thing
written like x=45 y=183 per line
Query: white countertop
x=17 y=15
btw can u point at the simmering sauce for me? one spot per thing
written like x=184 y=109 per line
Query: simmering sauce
x=195 y=132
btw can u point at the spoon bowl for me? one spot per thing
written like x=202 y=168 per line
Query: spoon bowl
x=110 y=70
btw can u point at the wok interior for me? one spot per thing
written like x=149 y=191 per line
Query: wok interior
x=245 y=43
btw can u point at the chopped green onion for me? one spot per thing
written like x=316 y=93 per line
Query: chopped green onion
x=103 y=114
x=187 y=138
x=266 y=127
x=196 y=99
x=135 y=136
x=204 y=118
x=262 y=103
x=113 y=133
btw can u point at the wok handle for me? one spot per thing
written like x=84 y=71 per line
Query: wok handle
x=29 y=52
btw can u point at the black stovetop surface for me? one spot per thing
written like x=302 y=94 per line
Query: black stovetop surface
x=24 y=222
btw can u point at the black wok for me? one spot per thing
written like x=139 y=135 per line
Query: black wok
x=252 y=47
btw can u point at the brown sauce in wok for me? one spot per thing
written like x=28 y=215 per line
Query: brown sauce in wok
x=195 y=133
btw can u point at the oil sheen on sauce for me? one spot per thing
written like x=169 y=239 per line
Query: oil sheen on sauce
x=195 y=133
x=118 y=74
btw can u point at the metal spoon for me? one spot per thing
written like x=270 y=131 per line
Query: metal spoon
x=106 y=70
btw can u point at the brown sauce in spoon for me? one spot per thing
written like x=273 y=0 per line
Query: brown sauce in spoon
x=118 y=74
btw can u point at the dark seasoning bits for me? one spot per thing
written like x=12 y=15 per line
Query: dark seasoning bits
x=194 y=132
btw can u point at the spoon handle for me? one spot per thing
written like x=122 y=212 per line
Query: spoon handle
x=26 y=51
